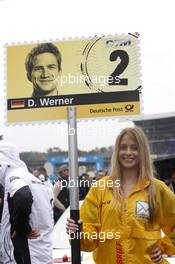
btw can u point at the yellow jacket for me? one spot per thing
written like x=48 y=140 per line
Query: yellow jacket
x=124 y=234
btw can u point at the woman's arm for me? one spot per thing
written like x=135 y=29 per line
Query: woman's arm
x=166 y=201
x=89 y=224
x=90 y=215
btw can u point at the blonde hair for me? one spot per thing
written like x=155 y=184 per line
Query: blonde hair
x=145 y=165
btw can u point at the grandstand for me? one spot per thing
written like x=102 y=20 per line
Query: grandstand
x=160 y=130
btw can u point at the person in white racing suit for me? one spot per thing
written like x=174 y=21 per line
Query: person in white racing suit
x=27 y=218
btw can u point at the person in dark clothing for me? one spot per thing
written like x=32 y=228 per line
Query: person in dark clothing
x=61 y=192
x=18 y=200
x=19 y=209
x=84 y=185
x=100 y=174
x=171 y=183
x=1 y=200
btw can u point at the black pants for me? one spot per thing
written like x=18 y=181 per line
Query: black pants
x=21 y=250
x=56 y=213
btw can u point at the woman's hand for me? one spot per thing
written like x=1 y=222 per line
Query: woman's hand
x=72 y=227
x=156 y=255
x=62 y=208
x=34 y=234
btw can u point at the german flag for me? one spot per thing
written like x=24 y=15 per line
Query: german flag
x=17 y=103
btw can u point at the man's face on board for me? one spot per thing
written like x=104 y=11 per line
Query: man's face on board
x=44 y=73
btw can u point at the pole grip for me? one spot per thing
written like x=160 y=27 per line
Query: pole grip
x=75 y=240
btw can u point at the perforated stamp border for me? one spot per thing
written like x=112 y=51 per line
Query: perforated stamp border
x=102 y=109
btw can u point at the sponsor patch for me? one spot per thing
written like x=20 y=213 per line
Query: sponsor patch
x=142 y=209
x=13 y=178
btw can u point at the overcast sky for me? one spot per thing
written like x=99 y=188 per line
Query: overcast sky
x=33 y=20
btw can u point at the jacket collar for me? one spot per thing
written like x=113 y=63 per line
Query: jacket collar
x=139 y=185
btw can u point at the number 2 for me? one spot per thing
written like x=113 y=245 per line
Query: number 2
x=114 y=76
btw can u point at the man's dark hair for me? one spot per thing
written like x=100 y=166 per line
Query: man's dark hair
x=100 y=171
x=42 y=170
x=172 y=170
x=84 y=174
x=39 y=49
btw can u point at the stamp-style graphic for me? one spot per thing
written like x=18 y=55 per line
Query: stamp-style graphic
x=99 y=75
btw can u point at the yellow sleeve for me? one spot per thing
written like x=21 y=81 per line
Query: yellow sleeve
x=166 y=200
x=90 y=214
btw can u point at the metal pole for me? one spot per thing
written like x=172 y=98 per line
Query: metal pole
x=73 y=189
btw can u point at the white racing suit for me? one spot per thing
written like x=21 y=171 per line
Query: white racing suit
x=42 y=219
x=27 y=206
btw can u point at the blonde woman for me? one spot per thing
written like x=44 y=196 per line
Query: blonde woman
x=123 y=214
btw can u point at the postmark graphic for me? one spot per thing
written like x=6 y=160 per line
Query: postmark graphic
x=107 y=66
x=99 y=75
